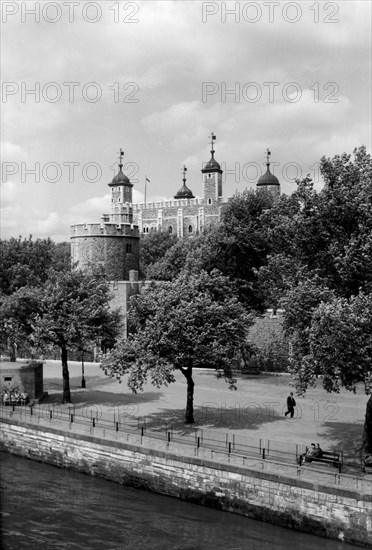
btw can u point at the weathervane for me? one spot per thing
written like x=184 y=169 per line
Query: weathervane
x=184 y=170
x=121 y=154
x=268 y=153
x=212 y=137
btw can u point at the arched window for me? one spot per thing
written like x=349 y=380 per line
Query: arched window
x=170 y=229
x=209 y=201
x=190 y=228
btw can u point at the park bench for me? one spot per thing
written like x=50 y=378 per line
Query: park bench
x=328 y=457
x=367 y=467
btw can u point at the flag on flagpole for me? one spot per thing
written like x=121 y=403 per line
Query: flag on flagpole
x=146 y=180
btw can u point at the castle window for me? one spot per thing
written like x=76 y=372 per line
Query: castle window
x=190 y=228
x=128 y=248
x=209 y=201
x=209 y=175
x=170 y=229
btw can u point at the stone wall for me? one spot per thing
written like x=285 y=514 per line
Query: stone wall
x=340 y=514
x=184 y=217
x=121 y=291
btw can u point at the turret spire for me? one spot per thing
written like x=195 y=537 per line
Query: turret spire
x=213 y=139
x=121 y=154
x=268 y=153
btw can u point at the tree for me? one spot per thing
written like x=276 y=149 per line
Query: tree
x=237 y=247
x=320 y=269
x=25 y=262
x=74 y=309
x=171 y=264
x=153 y=247
x=341 y=349
x=178 y=325
x=17 y=312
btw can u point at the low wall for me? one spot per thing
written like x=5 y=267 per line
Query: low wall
x=299 y=504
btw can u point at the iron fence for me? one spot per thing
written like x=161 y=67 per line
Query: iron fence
x=232 y=448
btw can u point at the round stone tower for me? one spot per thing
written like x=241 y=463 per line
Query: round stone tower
x=114 y=242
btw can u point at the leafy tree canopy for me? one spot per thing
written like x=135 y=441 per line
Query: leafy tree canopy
x=192 y=320
x=153 y=247
x=73 y=310
x=26 y=262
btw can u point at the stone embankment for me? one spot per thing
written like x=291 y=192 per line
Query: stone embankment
x=267 y=494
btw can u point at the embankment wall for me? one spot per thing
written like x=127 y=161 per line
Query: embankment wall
x=336 y=513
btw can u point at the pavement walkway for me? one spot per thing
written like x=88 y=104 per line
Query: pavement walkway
x=256 y=409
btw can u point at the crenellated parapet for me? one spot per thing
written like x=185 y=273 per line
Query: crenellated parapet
x=105 y=229
x=168 y=204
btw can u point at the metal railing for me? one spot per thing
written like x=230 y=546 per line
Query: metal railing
x=232 y=448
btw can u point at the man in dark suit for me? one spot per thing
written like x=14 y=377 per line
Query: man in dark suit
x=291 y=403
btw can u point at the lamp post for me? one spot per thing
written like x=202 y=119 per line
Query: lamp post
x=82 y=370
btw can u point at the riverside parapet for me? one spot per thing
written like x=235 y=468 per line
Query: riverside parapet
x=331 y=512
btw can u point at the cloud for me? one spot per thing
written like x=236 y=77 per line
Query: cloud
x=169 y=53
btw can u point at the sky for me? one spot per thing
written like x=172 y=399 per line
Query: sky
x=80 y=80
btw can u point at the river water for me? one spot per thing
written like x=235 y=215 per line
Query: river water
x=47 y=508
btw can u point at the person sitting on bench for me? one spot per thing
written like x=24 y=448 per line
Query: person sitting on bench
x=318 y=451
x=308 y=456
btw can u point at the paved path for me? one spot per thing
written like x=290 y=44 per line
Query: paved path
x=256 y=409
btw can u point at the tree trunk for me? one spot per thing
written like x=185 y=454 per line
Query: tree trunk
x=66 y=377
x=13 y=352
x=187 y=372
x=189 y=416
x=367 y=433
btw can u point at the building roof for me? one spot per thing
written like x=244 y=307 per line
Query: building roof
x=120 y=178
x=268 y=178
x=212 y=165
x=184 y=193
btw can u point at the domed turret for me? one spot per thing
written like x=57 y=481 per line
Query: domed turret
x=184 y=192
x=121 y=178
x=268 y=180
x=121 y=187
x=212 y=165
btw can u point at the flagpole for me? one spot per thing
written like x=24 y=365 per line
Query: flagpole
x=145 y=187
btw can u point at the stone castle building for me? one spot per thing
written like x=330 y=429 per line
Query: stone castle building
x=114 y=241
x=185 y=215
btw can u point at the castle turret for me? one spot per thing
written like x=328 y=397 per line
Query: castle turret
x=212 y=178
x=184 y=192
x=268 y=180
x=114 y=242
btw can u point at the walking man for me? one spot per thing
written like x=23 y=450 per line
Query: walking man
x=291 y=403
